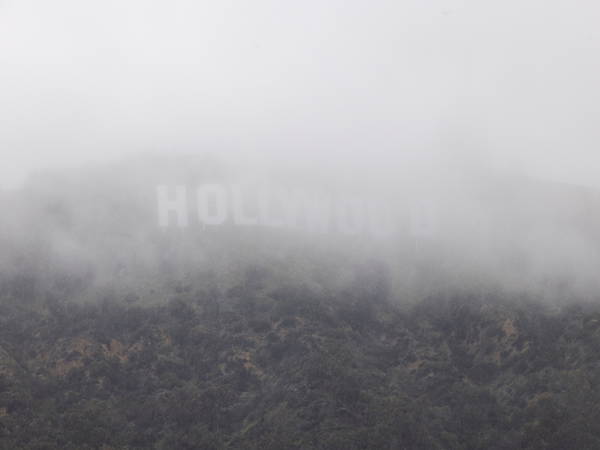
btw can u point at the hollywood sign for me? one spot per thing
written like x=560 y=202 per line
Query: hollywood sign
x=212 y=205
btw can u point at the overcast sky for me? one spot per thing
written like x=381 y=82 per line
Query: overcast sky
x=514 y=83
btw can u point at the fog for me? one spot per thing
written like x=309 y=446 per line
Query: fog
x=485 y=111
x=509 y=83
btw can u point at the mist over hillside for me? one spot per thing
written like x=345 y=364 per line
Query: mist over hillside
x=195 y=303
x=315 y=225
x=118 y=226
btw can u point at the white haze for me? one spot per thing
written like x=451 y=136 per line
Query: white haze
x=488 y=110
x=511 y=85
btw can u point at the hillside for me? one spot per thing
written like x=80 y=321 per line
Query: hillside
x=289 y=366
x=119 y=333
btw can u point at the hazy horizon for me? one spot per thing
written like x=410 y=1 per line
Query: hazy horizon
x=510 y=85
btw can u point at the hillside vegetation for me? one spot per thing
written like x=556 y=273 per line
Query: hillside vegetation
x=276 y=364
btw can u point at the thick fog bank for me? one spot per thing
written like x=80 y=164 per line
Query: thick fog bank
x=138 y=225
